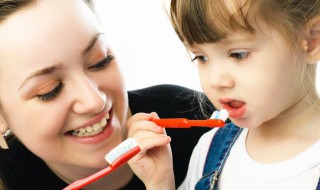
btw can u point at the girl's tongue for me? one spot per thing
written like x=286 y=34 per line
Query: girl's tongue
x=235 y=108
x=236 y=104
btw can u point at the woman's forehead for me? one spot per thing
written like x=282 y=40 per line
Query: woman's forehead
x=47 y=25
x=45 y=33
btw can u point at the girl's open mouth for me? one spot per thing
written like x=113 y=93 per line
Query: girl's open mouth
x=235 y=108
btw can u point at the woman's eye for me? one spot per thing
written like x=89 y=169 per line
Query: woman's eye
x=239 y=55
x=102 y=64
x=52 y=94
x=200 y=58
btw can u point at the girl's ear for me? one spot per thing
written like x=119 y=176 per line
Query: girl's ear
x=311 y=44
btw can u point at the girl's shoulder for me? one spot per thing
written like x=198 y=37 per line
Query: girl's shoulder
x=228 y=128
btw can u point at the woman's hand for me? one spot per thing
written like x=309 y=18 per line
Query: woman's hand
x=153 y=165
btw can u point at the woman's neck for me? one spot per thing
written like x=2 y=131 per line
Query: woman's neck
x=115 y=180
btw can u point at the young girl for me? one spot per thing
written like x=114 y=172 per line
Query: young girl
x=63 y=97
x=257 y=59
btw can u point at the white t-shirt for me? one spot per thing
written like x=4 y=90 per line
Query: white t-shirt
x=241 y=172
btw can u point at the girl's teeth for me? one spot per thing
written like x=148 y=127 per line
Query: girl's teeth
x=91 y=130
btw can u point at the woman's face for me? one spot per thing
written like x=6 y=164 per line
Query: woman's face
x=61 y=93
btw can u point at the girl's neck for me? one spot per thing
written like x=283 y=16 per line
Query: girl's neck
x=286 y=136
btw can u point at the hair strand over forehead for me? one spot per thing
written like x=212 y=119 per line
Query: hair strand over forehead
x=9 y=7
x=205 y=21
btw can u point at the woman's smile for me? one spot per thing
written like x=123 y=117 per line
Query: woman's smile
x=95 y=132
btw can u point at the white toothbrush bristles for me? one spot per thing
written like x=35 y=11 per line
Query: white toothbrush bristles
x=222 y=114
x=215 y=115
x=121 y=149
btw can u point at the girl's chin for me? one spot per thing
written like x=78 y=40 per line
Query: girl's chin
x=242 y=123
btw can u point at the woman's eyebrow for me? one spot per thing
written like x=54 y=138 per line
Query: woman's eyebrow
x=91 y=43
x=44 y=71
x=51 y=69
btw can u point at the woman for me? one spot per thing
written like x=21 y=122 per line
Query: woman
x=63 y=97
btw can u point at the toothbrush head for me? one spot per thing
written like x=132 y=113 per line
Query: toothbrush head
x=122 y=149
x=223 y=114
x=215 y=115
x=116 y=157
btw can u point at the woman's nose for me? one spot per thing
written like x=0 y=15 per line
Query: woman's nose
x=88 y=98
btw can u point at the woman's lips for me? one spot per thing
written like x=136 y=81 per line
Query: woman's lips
x=94 y=138
x=235 y=108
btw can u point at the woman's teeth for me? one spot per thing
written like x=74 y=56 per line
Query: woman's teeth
x=91 y=130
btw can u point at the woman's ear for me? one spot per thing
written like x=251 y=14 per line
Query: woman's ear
x=3 y=130
x=311 y=43
x=3 y=123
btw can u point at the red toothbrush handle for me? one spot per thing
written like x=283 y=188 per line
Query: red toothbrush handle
x=185 y=123
x=207 y=123
x=172 y=122
x=76 y=185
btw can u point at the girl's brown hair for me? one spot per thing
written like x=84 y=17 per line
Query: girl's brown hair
x=209 y=21
x=206 y=21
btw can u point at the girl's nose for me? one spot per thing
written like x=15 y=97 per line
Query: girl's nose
x=220 y=78
x=223 y=82
x=88 y=98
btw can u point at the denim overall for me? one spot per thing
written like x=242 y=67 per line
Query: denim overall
x=218 y=153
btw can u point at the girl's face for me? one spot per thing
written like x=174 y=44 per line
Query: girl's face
x=249 y=75
x=61 y=93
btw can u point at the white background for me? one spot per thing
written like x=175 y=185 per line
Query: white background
x=146 y=45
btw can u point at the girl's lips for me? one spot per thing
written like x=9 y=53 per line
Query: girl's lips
x=235 y=108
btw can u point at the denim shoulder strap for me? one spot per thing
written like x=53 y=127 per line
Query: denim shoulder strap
x=218 y=152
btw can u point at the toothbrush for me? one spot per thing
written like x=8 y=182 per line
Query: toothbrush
x=217 y=119
x=116 y=158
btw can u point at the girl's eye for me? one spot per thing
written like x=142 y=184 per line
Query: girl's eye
x=103 y=63
x=200 y=58
x=239 y=55
x=52 y=94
